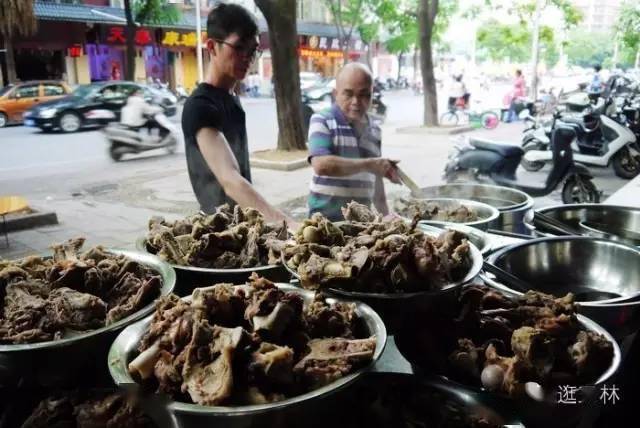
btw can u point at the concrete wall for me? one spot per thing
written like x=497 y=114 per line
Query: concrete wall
x=77 y=70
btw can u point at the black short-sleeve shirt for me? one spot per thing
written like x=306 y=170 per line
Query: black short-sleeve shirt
x=211 y=107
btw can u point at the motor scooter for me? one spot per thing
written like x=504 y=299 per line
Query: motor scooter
x=492 y=162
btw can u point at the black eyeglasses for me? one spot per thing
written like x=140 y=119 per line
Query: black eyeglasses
x=252 y=52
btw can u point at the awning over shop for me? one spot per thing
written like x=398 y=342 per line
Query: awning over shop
x=50 y=11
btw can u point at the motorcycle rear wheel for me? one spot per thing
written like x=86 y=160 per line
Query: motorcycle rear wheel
x=449 y=118
x=625 y=165
x=116 y=153
x=580 y=190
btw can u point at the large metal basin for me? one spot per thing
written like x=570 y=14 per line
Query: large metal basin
x=486 y=213
x=394 y=307
x=176 y=414
x=513 y=204
x=61 y=362
x=603 y=275
x=614 y=216
x=190 y=277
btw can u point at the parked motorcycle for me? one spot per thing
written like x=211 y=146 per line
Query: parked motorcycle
x=601 y=141
x=492 y=162
x=158 y=133
x=378 y=109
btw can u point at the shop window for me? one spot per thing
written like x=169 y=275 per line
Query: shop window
x=27 y=91
x=51 y=90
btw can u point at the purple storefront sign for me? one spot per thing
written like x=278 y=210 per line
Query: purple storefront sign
x=105 y=62
x=155 y=62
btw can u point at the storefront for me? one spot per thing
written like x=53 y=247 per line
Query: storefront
x=107 y=57
x=42 y=57
x=323 y=54
x=183 y=64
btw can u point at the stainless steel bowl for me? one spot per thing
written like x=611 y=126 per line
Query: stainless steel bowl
x=124 y=349
x=547 y=412
x=486 y=213
x=513 y=204
x=393 y=307
x=475 y=236
x=614 y=216
x=599 y=272
x=55 y=362
x=190 y=277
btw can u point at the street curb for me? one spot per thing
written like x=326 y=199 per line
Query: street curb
x=279 y=166
x=31 y=221
x=434 y=130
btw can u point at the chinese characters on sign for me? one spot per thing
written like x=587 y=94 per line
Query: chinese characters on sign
x=173 y=38
x=315 y=53
x=117 y=35
x=568 y=394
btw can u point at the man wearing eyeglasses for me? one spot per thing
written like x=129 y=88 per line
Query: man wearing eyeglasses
x=213 y=120
x=344 y=149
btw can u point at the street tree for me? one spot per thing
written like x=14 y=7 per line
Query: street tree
x=347 y=16
x=510 y=42
x=17 y=19
x=140 y=12
x=283 y=39
x=531 y=11
x=586 y=49
x=628 y=29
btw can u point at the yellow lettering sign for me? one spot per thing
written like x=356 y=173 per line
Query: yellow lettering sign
x=190 y=40
x=171 y=38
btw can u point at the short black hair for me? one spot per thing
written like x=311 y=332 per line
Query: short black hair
x=597 y=67
x=225 y=19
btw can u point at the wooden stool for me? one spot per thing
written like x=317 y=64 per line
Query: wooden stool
x=10 y=205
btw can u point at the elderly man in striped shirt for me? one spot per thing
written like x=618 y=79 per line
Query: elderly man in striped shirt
x=344 y=149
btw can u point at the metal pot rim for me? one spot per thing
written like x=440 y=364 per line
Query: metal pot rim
x=118 y=363
x=493 y=257
x=527 y=200
x=168 y=282
x=527 y=220
x=141 y=244
x=475 y=269
x=590 y=325
x=495 y=213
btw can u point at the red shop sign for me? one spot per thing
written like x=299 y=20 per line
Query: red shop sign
x=117 y=35
x=75 y=51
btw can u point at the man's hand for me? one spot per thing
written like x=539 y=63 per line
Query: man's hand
x=385 y=168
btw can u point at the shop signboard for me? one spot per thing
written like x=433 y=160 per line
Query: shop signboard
x=182 y=39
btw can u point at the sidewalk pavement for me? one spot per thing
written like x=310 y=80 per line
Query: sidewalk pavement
x=116 y=213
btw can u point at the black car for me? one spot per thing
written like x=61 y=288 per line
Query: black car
x=93 y=105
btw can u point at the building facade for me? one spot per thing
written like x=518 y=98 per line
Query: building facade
x=599 y=15
x=84 y=41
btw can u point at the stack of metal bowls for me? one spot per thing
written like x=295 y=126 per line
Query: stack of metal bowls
x=511 y=203
x=612 y=222
x=603 y=275
x=80 y=356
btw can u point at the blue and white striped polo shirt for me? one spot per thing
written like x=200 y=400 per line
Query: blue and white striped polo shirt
x=331 y=134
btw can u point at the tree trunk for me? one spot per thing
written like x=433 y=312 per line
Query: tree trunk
x=535 y=50
x=400 y=56
x=369 y=56
x=130 y=30
x=283 y=38
x=427 y=11
x=12 y=76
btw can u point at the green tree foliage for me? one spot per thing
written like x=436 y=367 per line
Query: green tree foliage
x=587 y=49
x=155 y=12
x=628 y=27
x=504 y=42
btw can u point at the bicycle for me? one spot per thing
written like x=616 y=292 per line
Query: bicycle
x=487 y=119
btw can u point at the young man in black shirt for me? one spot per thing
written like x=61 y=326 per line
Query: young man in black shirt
x=213 y=120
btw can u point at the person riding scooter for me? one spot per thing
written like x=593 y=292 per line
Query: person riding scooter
x=137 y=113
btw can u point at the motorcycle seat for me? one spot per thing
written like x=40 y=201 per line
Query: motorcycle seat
x=504 y=149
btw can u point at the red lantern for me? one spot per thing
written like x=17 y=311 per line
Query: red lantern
x=75 y=51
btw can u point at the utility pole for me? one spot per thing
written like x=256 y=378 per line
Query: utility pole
x=199 y=43
x=535 y=50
